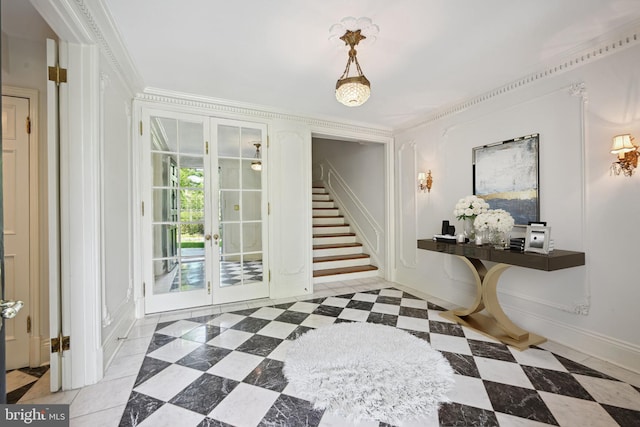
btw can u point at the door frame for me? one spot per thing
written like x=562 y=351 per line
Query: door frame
x=37 y=346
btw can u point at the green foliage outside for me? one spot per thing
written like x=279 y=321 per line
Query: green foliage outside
x=191 y=206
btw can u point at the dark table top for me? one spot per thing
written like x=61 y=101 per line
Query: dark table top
x=554 y=260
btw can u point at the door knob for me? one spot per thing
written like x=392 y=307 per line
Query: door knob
x=207 y=237
x=10 y=308
x=216 y=237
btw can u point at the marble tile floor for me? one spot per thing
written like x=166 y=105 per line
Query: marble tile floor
x=27 y=383
x=222 y=366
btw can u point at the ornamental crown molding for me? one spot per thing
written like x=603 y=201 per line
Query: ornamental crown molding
x=606 y=46
x=216 y=106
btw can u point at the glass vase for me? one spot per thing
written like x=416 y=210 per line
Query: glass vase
x=469 y=229
x=499 y=239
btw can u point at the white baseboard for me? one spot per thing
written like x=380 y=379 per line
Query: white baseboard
x=121 y=328
x=44 y=345
x=612 y=350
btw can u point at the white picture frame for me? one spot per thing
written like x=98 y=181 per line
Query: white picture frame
x=537 y=239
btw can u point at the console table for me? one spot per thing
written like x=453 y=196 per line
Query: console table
x=496 y=323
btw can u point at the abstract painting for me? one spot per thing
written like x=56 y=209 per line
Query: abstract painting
x=506 y=175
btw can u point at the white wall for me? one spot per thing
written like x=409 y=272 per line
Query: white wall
x=24 y=65
x=362 y=167
x=592 y=308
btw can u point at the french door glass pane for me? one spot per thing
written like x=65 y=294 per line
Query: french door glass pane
x=228 y=170
x=240 y=206
x=229 y=206
x=252 y=236
x=251 y=207
x=177 y=156
x=251 y=180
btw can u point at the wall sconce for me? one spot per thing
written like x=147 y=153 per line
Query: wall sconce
x=425 y=181
x=627 y=153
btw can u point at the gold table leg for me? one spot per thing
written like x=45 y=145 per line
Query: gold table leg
x=495 y=323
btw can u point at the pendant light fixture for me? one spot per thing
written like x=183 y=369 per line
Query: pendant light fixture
x=352 y=91
x=256 y=164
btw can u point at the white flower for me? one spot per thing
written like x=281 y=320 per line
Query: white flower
x=494 y=220
x=470 y=207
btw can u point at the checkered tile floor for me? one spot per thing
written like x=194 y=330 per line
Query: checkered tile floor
x=226 y=369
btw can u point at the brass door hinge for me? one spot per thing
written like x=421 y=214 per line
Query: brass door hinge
x=140 y=127
x=144 y=289
x=28 y=324
x=57 y=74
x=60 y=344
x=268 y=208
x=269 y=275
x=208 y=288
x=206 y=147
x=28 y=126
x=142 y=208
x=267 y=141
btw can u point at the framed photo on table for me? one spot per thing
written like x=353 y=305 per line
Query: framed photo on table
x=537 y=239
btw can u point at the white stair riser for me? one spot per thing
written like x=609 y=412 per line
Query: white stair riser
x=333 y=240
x=332 y=230
x=320 y=197
x=341 y=263
x=318 y=191
x=337 y=251
x=327 y=221
x=325 y=212
x=346 y=276
x=323 y=205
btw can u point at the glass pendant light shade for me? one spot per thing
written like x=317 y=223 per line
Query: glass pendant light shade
x=256 y=163
x=353 y=91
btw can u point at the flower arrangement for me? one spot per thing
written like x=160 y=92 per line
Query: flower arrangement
x=494 y=220
x=470 y=207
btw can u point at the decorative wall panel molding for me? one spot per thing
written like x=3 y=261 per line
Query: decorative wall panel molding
x=571 y=100
x=406 y=158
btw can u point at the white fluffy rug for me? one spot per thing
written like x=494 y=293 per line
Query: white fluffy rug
x=368 y=371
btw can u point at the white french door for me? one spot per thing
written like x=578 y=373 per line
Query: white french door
x=204 y=213
x=177 y=212
x=241 y=211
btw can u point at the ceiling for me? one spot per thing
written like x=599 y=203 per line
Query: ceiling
x=429 y=54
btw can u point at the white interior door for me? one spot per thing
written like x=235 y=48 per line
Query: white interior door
x=177 y=212
x=240 y=206
x=15 y=181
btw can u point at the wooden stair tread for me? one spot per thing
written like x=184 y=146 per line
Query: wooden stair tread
x=337 y=245
x=328 y=216
x=335 y=235
x=330 y=225
x=343 y=270
x=334 y=208
x=339 y=257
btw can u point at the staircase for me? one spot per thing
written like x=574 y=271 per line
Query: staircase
x=337 y=255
